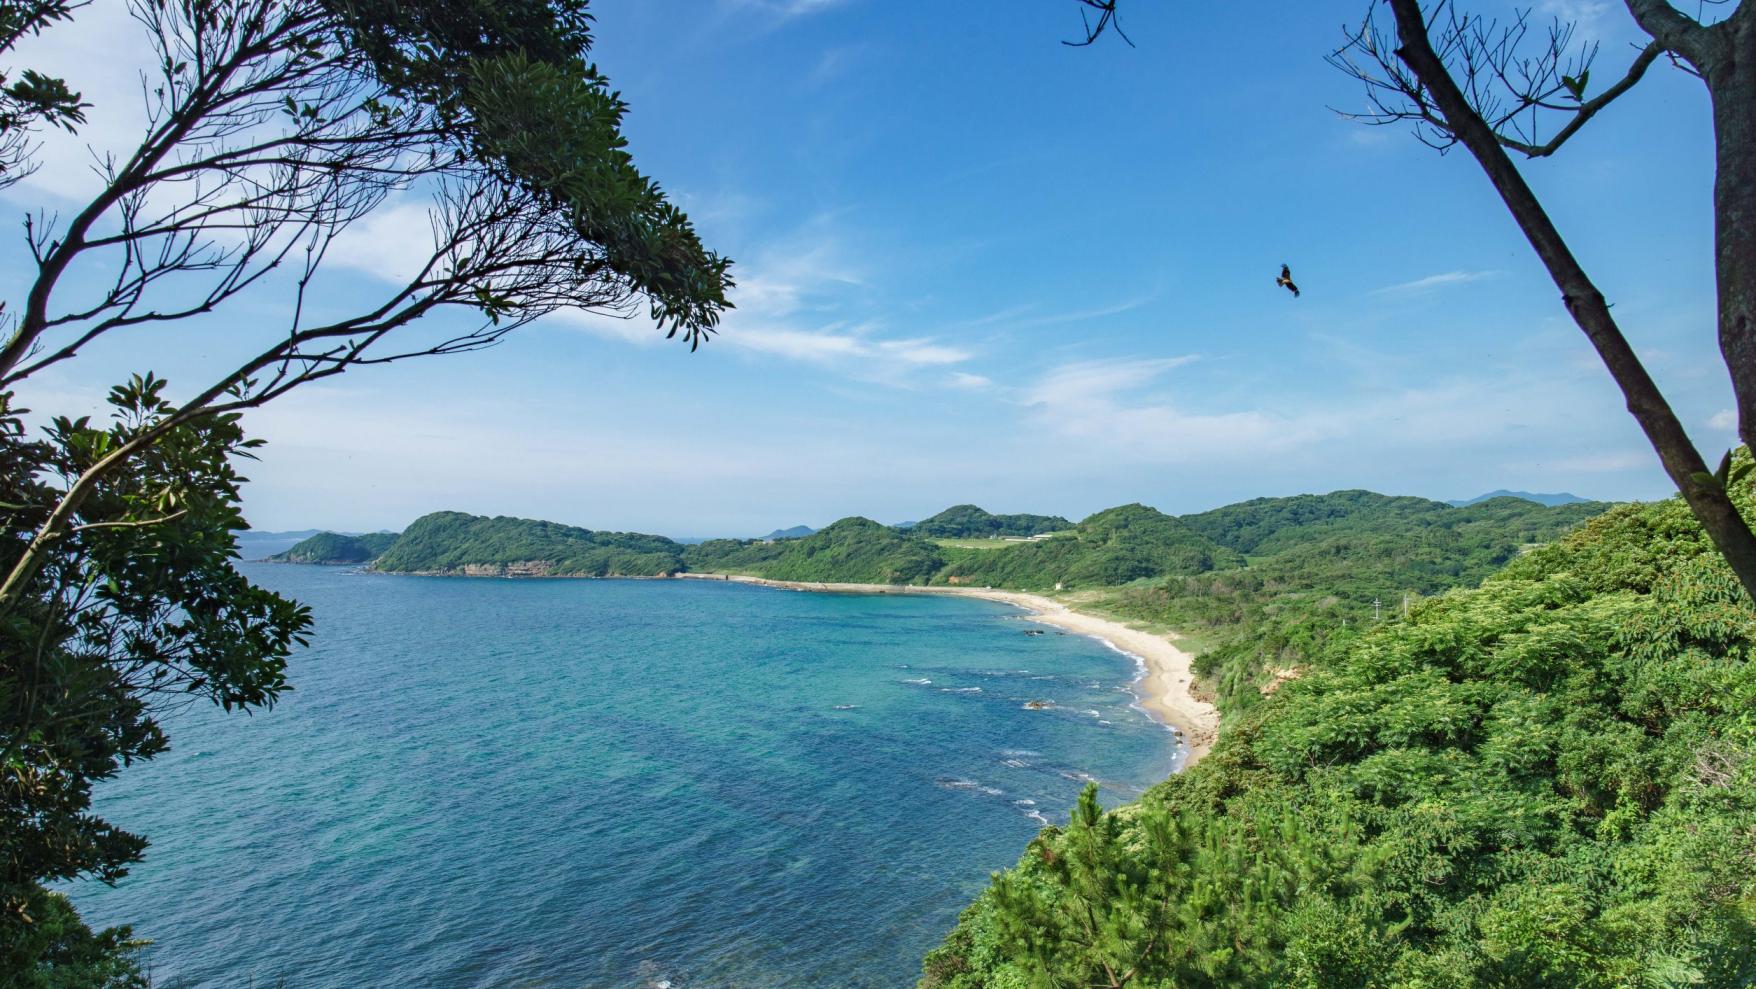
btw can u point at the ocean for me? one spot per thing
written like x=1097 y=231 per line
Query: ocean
x=613 y=784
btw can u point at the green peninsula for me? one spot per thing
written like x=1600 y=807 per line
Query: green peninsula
x=335 y=548
x=454 y=543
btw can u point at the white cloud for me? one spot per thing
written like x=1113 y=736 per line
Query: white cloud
x=634 y=327
x=1588 y=15
x=116 y=120
x=787 y=9
x=390 y=243
x=1611 y=462
x=834 y=345
x=1097 y=405
x=1724 y=419
x=969 y=382
x=1098 y=382
x=1421 y=286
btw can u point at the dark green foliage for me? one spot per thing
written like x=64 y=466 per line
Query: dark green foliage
x=1318 y=564
x=1115 y=546
x=330 y=547
x=858 y=551
x=970 y=522
x=733 y=556
x=511 y=84
x=137 y=605
x=1266 y=526
x=1545 y=781
x=453 y=542
x=57 y=951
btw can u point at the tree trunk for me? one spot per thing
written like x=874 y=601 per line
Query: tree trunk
x=1731 y=78
x=1709 y=502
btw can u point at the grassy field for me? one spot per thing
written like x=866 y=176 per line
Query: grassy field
x=980 y=543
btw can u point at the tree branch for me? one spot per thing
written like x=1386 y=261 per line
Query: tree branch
x=1728 y=529
x=1589 y=108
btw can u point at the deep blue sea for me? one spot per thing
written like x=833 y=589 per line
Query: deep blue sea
x=605 y=783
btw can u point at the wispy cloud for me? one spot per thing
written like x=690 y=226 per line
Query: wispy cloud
x=835 y=345
x=1027 y=316
x=1587 y=14
x=969 y=382
x=1724 y=419
x=1102 y=405
x=1606 y=463
x=785 y=9
x=1432 y=283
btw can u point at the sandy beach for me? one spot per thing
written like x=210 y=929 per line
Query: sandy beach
x=1163 y=688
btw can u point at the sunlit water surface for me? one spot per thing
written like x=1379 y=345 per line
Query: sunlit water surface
x=577 y=783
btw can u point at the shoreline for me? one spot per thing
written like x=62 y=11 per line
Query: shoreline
x=1166 y=671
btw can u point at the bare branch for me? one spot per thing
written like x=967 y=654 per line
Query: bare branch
x=1529 y=90
x=1106 y=21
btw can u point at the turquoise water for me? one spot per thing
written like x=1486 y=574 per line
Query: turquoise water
x=582 y=784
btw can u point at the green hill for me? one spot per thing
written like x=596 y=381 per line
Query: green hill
x=1548 y=780
x=331 y=547
x=456 y=543
x=733 y=556
x=855 y=550
x=970 y=522
x=1265 y=526
x=1319 y=562
x=1115 y=546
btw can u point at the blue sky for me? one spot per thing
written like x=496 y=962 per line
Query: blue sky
x=976 y=265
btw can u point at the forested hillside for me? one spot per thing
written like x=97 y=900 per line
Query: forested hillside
x=453 y=542
x=1324 y=563
x=971 y=522
x=1543 y=781
x=1310 y=554
x=1115 y=546
x=332 y=547
x=856 y=550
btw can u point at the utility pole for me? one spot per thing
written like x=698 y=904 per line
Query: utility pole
x=1405 y=606
x=1375 y=613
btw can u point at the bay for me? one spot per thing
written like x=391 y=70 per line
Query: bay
x=610 y=783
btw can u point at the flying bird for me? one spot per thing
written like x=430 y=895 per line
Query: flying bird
x=1286 y=280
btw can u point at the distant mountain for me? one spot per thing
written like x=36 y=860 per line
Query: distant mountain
x=796 y=532
x=971 y=522
x=337 y=548
x=1551 y=500
x=457 y=543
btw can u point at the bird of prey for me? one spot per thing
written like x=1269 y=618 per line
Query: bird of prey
x=1286 y=280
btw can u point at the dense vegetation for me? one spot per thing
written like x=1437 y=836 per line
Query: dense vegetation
x=453 y=542
x=748 y=557
x=856 y=550
x=333 y=547
x=1111 y=547
x=970 y=522
x=1543 y=781
x=1313 y=554
x=1115 y=546
x=1318 y=564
